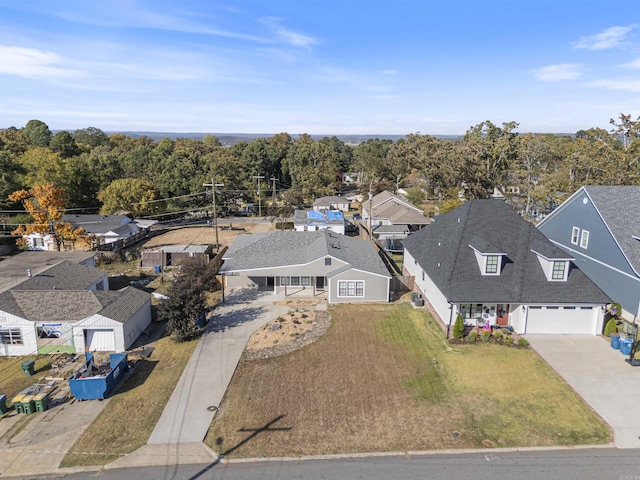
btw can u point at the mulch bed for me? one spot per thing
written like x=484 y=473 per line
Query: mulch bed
x=322 y=324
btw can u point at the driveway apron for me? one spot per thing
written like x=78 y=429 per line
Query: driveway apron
x=600 y=375
x=191 y=408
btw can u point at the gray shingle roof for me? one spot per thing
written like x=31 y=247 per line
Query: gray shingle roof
x=443 y=251
x=619 y=207
x=99 y=224
x=278 y=249
x=71 y=306
x=330 y=200
x=65 y=275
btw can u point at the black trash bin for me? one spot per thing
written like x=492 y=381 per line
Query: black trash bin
x=28 y=367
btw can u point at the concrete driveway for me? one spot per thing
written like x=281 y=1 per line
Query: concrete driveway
x=600 y=375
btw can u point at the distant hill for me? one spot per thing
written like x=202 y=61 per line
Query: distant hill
x=233 y=138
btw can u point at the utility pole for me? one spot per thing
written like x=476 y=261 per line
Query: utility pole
x=213 y=186
x=273 y=199
x=259 y=177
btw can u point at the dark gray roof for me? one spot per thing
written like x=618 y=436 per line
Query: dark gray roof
x=100 y=224
x=619 y=207
x=71 y=306
x=482 y=246
x=443 y=251
x=398 y=228
x=65 y=275
x=549 y=250
x=13 y=270
x=279 y=249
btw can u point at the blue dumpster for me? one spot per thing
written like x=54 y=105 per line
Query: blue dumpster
x=158 y=268
x=615 y=342
x=625 y=346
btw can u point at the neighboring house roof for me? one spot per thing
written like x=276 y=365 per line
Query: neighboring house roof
x=402 y=228
x=13 y=270
x=181 y=249
x=329 y=201
x=318 y=217
x=443 y=251
x=619 y=207
x=65 y=275
x=388 y=206
x=287 y=248
x=71 y=306
x=101 y=224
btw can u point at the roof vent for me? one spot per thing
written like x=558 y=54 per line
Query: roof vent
x=438 y=264
x=29 y=272
x=458 y=219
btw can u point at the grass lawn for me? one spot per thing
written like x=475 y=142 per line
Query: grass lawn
x=127 y=421
x=13 y=379
x=383 y=379
x=398 y=259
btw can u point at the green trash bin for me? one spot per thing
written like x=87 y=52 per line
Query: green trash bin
x=28 y=405
x=17 y=403
x=3 y=404
x=28 y=367
x=41 y=402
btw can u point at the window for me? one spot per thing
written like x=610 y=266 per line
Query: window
x=558 y=270
x=295 y=281
x=584 y=239
x=38 y=242
x=327 y=261
x=575 y=234
x=351 y=288
x=422 y=274
x=492 y=264
x=473 y=310
x=305 y=281
x=11 y=336
x=100 y=285
x=284 y=281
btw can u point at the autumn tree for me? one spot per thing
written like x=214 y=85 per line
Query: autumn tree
x=45 y=204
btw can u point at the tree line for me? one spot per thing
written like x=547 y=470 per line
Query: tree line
x=114 y=173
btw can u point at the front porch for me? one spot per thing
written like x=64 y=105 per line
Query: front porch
x=481 y=314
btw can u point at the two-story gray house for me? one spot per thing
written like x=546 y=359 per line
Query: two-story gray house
x=599 y=226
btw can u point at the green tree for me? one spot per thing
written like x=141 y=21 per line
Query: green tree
x=130 y=195
x=37 y=133
x=186 y=304
x=64 y=144
x=10 y=172
x=91 y=136
x=458 y=327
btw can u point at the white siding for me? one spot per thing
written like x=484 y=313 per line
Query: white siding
x=27 y=329
x=136 y=324
x=429 y=289
x=97 y=322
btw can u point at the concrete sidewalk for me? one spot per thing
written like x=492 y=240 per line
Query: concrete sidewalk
x=186 y=418
x=600 y=375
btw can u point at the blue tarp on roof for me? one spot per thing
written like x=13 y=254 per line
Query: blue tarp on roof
x=335 y=215
x=314 y=215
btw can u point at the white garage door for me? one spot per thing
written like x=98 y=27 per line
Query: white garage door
x=562 y=320
x=101 y=340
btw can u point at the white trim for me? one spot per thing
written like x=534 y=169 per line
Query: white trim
x=575 y=232
x=634 y=277
x=355 y=287
x=584 y=239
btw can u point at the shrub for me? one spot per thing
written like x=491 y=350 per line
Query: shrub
x=523 y=342
x=458 y=327
x=472 y=337
x=610 y=327
x=507 y=340
x=485 y=335
x=498 y=336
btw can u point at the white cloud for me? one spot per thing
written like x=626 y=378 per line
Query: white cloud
x=635 y=65
x=32 y=63
x=624 y=84
x=288 y=36
x=389 y=72
x=558 y=72
x=609 y=38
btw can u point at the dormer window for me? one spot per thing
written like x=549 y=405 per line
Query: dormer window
x=491 y=265
x=489 y=257
x=554 y=262
x=559 y=270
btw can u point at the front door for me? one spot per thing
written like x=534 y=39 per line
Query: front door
x=320 y=283
x=503 y=314
x=270 y=281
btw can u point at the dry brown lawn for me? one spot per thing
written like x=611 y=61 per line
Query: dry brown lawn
x=383 y=379
x=205 y=235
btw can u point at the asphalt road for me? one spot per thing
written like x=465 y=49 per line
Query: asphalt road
x=568 y=464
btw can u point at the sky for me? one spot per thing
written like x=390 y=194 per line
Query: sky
x=321 y=67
